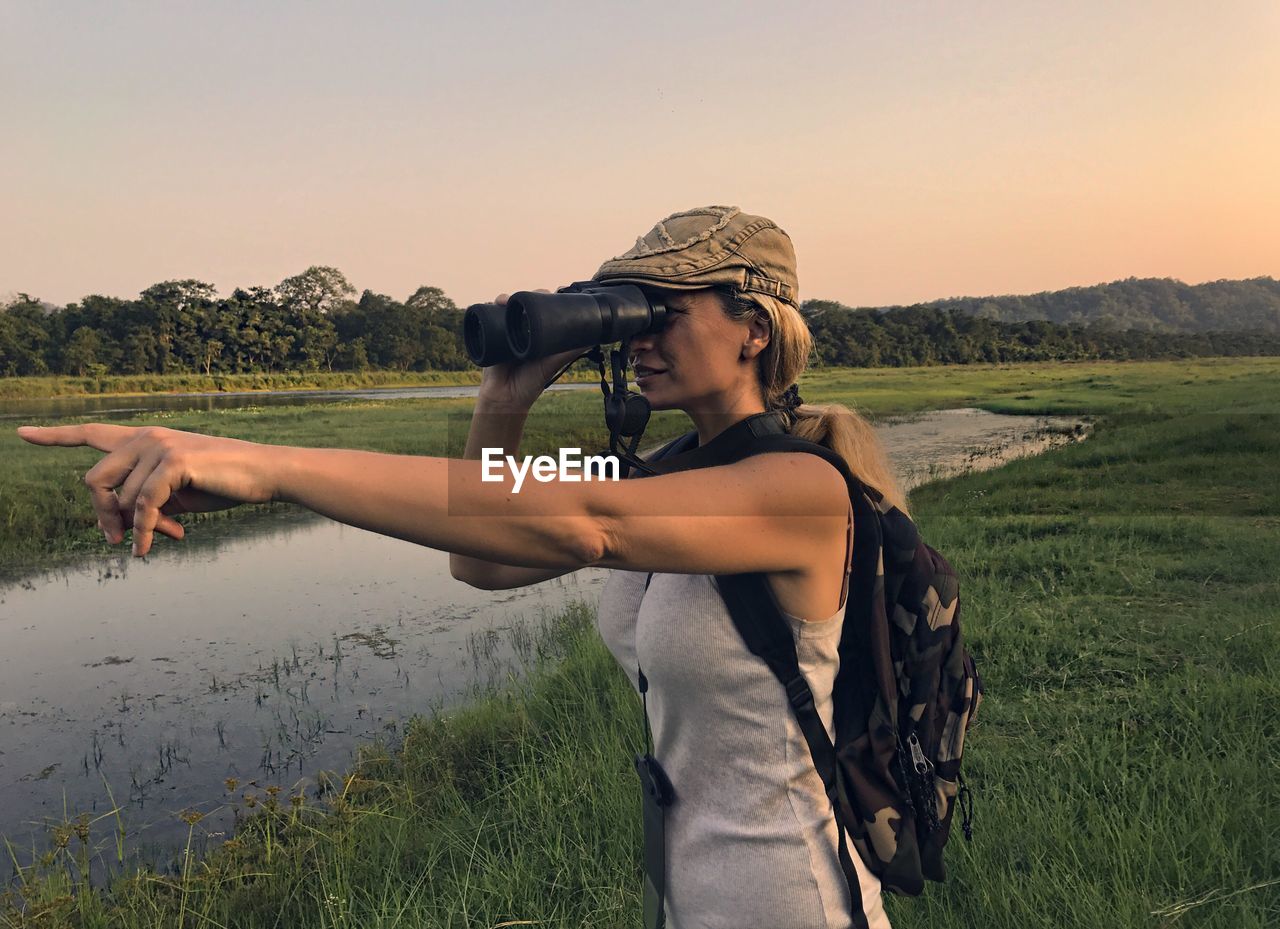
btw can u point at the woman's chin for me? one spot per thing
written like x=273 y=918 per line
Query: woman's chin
x=655 y=399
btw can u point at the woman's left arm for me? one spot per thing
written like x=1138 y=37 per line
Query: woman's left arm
x=755 y=515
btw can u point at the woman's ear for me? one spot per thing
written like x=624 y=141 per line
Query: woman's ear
x=757 y=336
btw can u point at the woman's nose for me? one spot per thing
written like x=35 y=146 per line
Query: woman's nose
x=642 y=342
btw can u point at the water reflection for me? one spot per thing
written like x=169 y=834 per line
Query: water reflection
x=266 y=650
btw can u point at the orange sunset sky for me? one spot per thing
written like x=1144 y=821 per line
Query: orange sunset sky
x=912 y=150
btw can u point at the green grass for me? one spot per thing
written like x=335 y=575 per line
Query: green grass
x=16 y=388
x=1199 y=384
x=135 y=384
x=1122 y=598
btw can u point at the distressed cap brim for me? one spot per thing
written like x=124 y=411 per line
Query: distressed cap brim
x=709 y=247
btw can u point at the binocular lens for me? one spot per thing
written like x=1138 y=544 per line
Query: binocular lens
x=519 y=330
x=535 y=325
x=484 y=332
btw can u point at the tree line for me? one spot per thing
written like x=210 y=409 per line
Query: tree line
x=1155 y=304
x=313 y=321
x=308 y=322
x=923 y=335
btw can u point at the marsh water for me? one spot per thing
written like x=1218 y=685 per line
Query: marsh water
x=44 y=409
x=268 y=649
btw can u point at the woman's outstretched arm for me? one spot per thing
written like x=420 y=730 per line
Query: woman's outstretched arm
x=774 y=512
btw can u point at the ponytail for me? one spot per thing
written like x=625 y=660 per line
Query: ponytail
x=854 y=439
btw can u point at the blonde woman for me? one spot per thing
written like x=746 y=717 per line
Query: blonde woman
x=751 y=838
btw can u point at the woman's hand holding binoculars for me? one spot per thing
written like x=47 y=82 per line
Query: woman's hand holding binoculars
x=516 y=385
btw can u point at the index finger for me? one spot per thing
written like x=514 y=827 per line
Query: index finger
x=105 y=437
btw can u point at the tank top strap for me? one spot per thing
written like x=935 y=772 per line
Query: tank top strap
x=848 y=559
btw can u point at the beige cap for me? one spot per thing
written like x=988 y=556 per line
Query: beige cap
x=708 y=247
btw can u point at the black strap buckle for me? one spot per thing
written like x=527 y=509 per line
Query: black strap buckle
x=799 y=694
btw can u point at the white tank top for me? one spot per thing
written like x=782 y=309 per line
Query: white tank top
x=751 y=839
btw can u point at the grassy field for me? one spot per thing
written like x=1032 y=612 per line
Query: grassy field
x=45 y=515
x=1122 y=598
x=59 y=385
x=17 y=388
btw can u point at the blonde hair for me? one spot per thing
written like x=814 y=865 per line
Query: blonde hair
x=834 y=425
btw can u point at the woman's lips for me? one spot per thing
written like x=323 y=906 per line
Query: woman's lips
x=646 y=375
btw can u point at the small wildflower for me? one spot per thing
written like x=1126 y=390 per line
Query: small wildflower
x=232 y=783
x=191 y=817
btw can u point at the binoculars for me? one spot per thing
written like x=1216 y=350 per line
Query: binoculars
x=535 y=325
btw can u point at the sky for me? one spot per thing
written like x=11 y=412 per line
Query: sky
x=912 y=151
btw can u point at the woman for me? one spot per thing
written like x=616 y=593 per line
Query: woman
x=751 y=839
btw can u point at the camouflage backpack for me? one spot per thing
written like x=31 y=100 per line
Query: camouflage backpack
x=906 y=692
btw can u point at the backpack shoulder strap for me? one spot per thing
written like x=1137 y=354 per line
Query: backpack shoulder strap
x=757 y=615
x=794 y=443
x=740 y=440
x=758 y=618
x=677 y=446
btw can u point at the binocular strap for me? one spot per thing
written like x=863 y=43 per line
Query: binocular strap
x=655 y=796
x=626 y=413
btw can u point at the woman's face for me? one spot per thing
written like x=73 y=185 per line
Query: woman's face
x=697 y=359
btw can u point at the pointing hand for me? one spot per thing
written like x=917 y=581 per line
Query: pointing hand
x=151 y=473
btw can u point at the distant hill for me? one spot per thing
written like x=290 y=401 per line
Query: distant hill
x=1151 y=304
